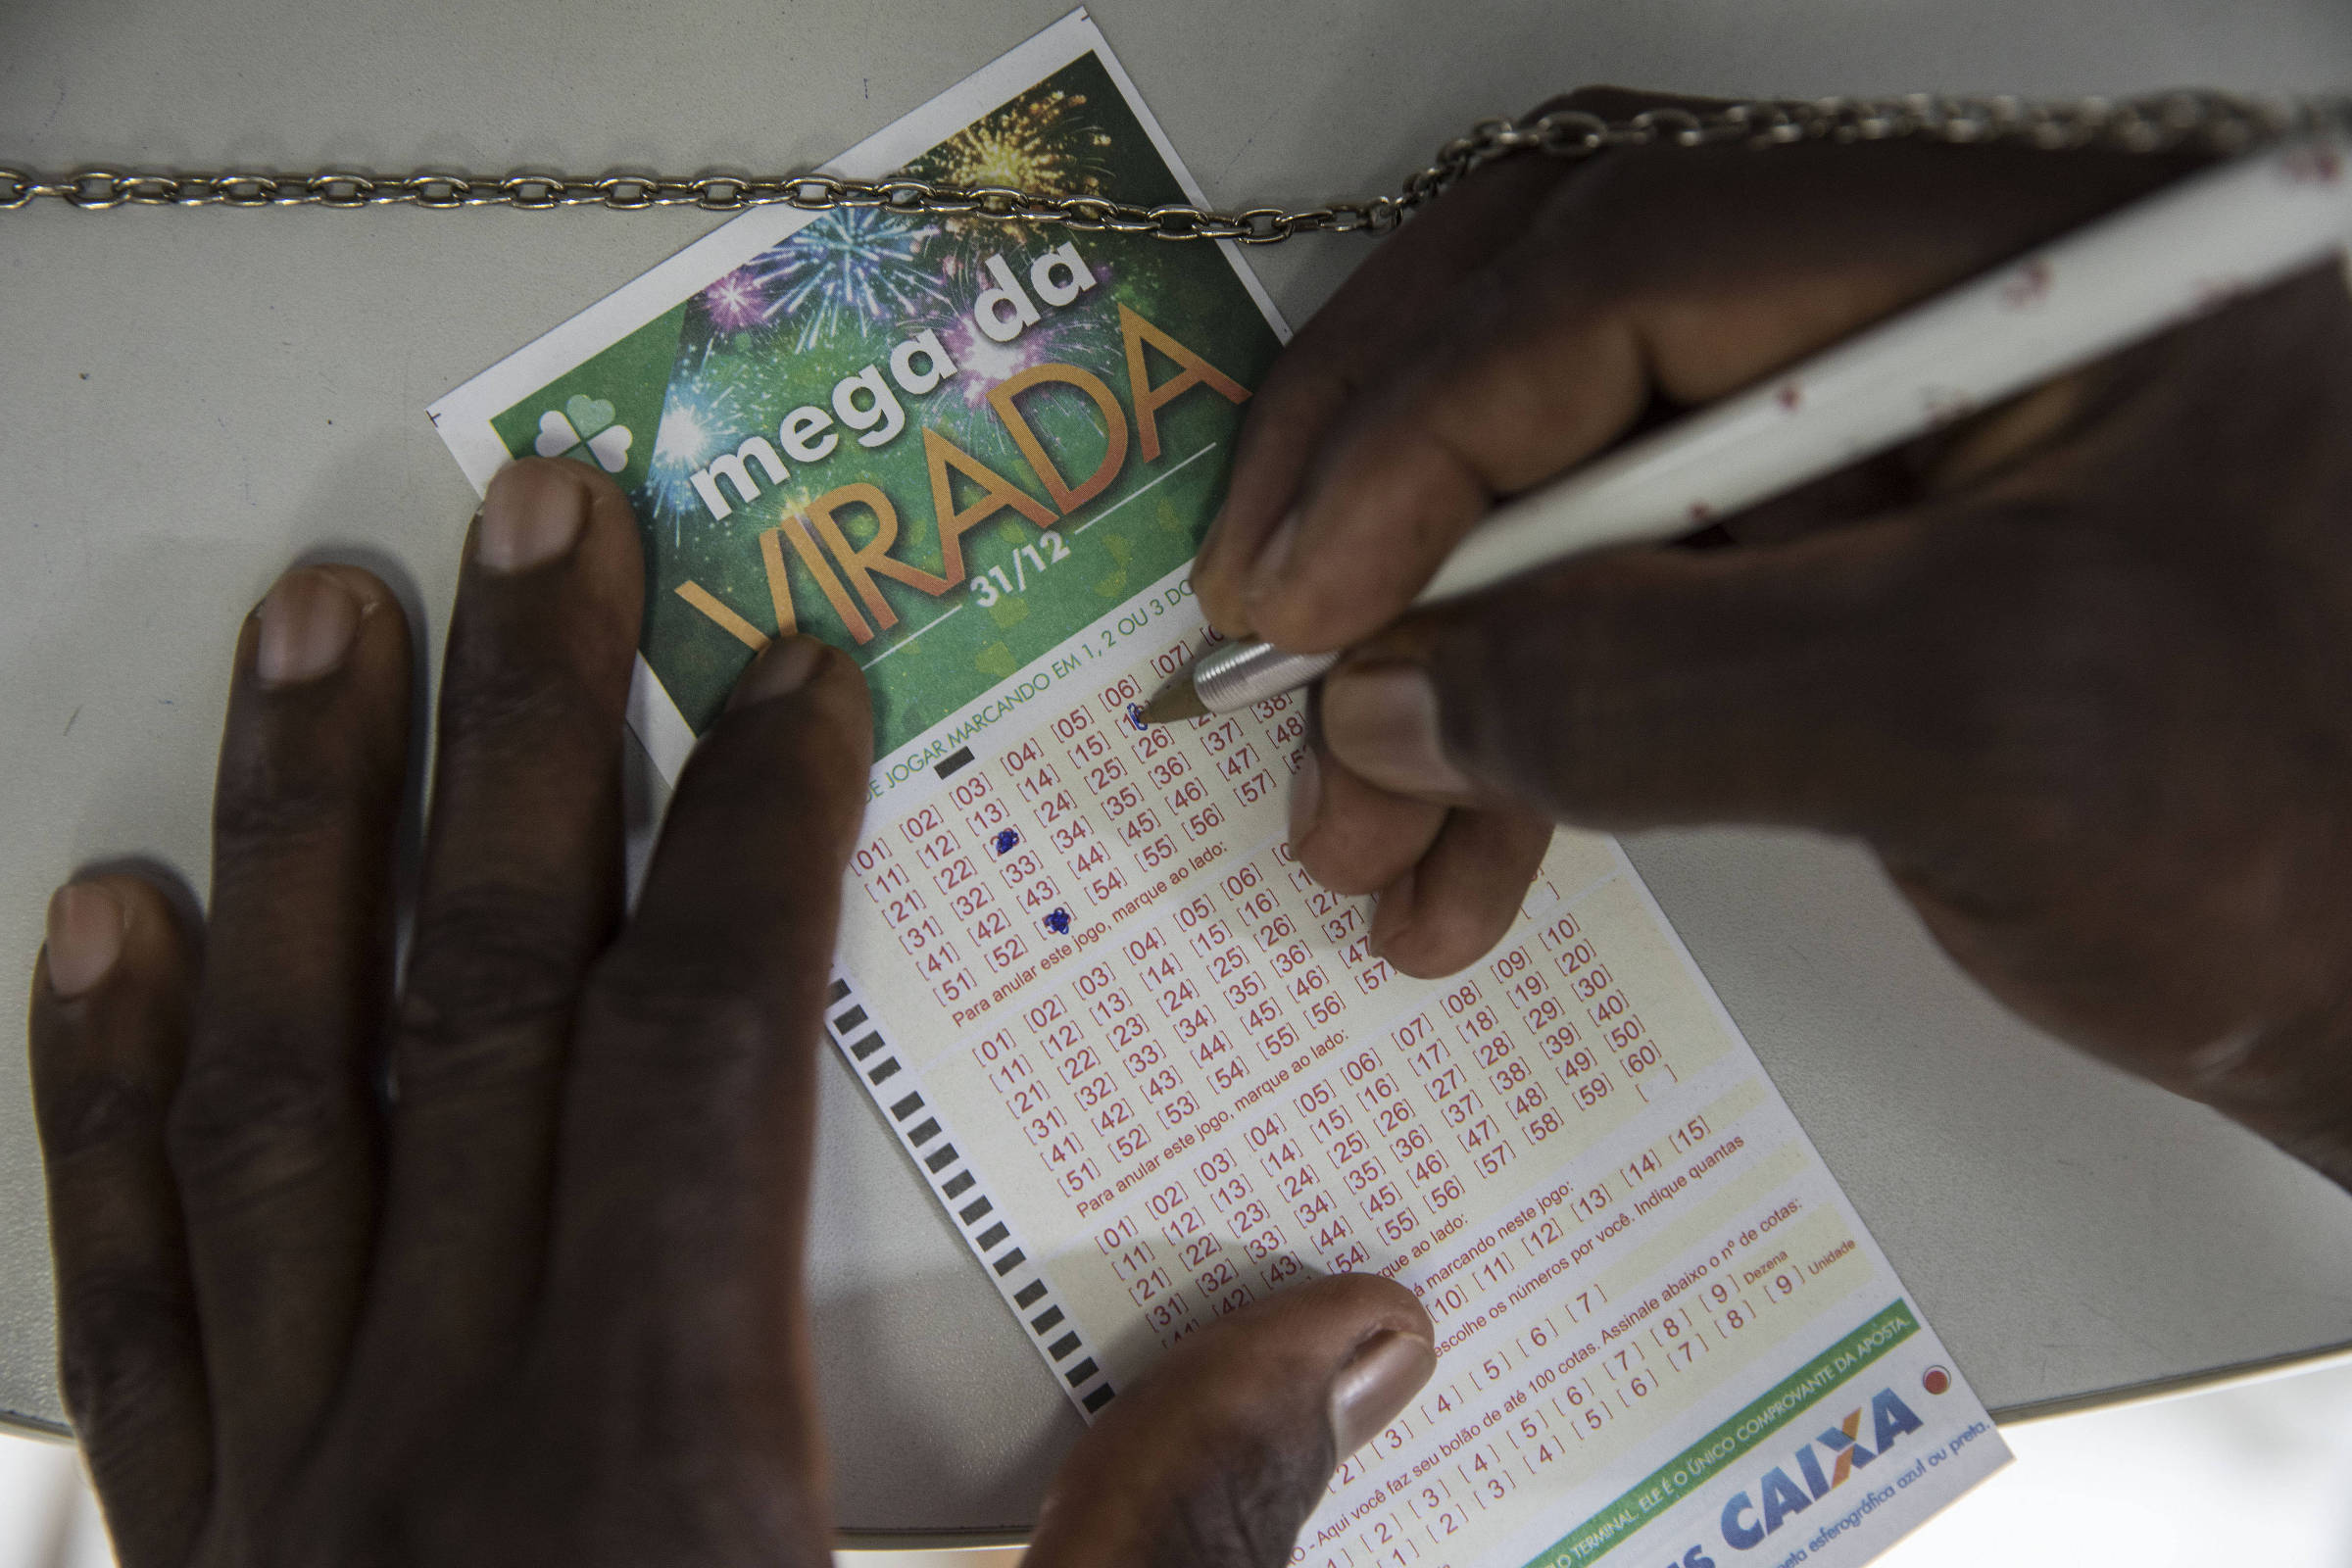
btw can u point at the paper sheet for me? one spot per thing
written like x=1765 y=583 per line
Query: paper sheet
x=1149 y=1066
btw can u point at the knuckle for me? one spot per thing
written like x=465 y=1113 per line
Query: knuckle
x=1308 y=387
x=111 y=1399
x=1604 y=224
x=809 y=762
x=1488 y=313
x=1581 y=275
x=94 y=1113
x=497 y=703
x=687 y=1009
x=1248 y=1506
x=488 y=958
x=2054 y=654
x=249 y=1124
x=120 y=1336
x=263 y=810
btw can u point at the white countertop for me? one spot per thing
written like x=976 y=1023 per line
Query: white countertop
x=192 y=399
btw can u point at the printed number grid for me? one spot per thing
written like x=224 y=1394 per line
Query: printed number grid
x=1229 y=1090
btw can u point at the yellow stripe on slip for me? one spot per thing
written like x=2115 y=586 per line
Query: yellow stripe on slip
x=734 y=626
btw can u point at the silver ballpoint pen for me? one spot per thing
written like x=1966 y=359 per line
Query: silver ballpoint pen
x=2170 y=256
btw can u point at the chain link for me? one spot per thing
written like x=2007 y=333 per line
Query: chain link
x=2208 y=121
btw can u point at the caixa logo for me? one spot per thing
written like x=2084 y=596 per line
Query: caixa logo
x=1747 y=1519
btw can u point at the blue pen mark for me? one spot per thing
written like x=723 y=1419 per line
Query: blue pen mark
x=1135 y=716
x=1005 y=841
x=1059 y=922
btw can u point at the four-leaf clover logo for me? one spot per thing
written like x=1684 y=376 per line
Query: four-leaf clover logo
x=584 y=422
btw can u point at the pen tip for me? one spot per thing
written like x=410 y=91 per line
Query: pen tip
x=1175 y=703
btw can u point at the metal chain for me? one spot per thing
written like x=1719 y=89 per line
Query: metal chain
x=2212 y=122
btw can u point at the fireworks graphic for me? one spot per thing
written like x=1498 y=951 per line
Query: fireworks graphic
x=981 y=362
x=1070 y=425
x=857 y=266
x=961 y=411
x=701 y=416
x=1037 y=143
x=738 y=301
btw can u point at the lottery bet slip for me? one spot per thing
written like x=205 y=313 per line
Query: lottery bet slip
x=1149 y=1068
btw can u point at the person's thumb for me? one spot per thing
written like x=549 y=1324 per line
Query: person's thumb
x=1219 y=1455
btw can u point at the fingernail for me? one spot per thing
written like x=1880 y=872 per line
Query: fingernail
x=86 y=937
x=1306 y=796
x=1273 y=560
x=533 y=514
x=1396 y=901
x=783 y=667
x=1373 y=1387
x=1381 y=721
x=308 y=622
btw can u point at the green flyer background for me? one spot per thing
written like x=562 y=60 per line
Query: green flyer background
x=838 y=295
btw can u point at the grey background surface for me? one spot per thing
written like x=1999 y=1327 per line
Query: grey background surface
x=192 y=399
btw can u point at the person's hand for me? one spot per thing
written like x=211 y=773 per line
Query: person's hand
x=505 y=1267
x=2075 y=669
